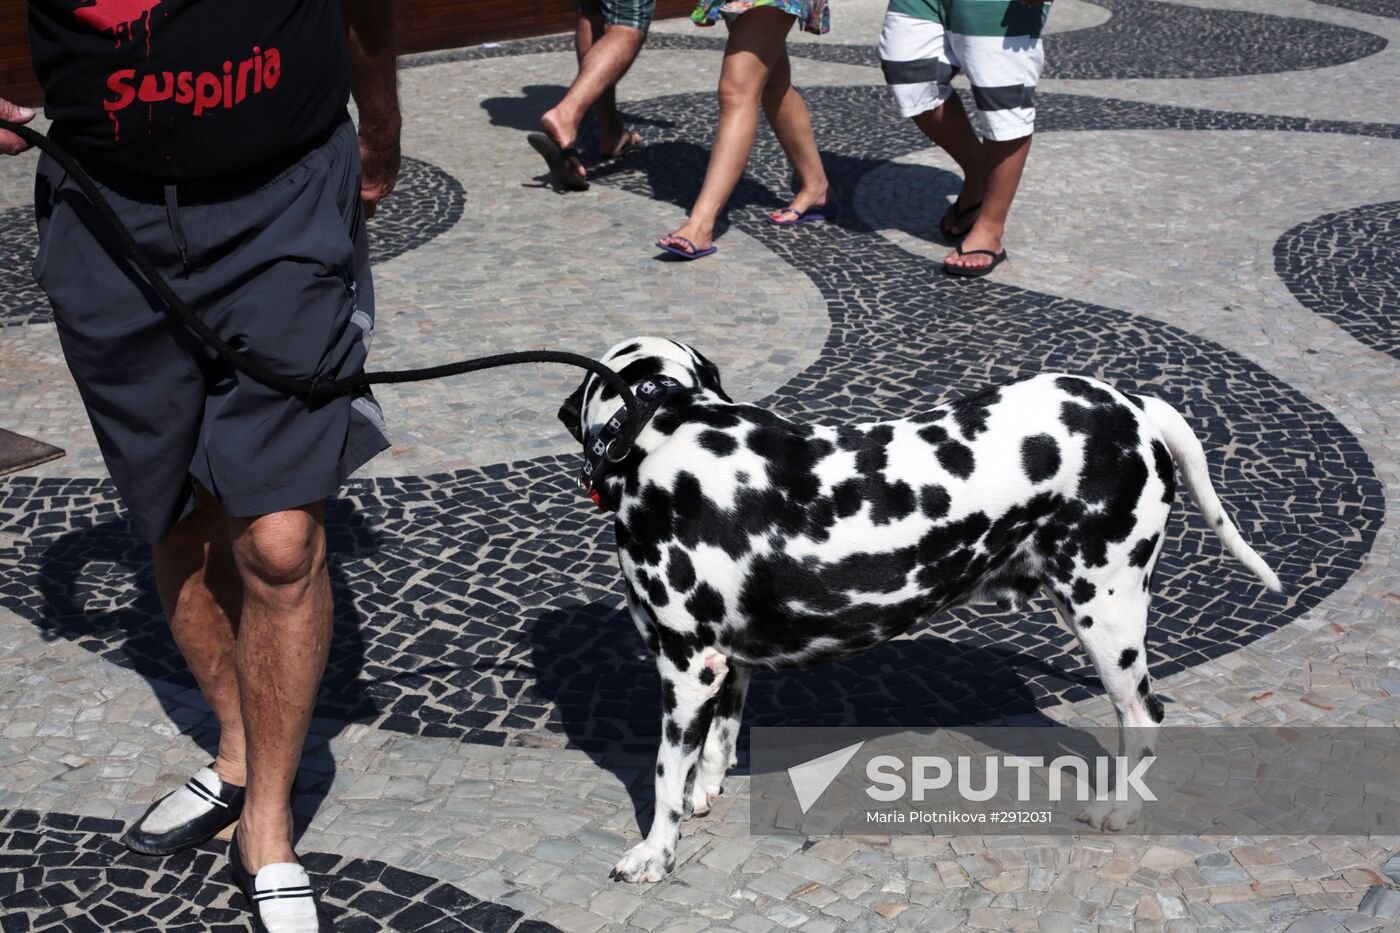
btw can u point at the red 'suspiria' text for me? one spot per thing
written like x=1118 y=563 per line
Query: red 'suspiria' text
x=204 y=91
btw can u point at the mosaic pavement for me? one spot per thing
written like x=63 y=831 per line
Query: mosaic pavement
x=480 y=753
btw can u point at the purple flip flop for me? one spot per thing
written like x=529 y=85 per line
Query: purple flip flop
x=820 y=212
x=693 y=254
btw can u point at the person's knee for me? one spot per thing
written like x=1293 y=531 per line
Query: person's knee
x=281 y=550
x=736 y=93
x=628 y=37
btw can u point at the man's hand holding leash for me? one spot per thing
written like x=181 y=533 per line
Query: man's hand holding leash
x=10 y=144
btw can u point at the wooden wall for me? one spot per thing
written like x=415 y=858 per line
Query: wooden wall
x=423 y=25
x=16 y=80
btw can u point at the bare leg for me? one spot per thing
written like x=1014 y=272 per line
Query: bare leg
x=950 y=130
x=284 y=637
x=602 y=63
x=1005 y=162
x=202 y=597
x=757 y=42
x=792 y=123
x=612 y=130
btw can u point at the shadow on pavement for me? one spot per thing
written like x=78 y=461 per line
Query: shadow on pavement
x=131 y=632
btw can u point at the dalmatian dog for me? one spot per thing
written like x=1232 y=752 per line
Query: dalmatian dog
x=750 y=541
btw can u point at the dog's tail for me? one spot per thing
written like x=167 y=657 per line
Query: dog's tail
x=1190 y=457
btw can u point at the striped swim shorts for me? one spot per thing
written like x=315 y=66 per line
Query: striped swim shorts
x=925 y=43
x=633 y=13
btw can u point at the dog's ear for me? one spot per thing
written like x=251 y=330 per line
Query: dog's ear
x=708 y=374
x=571 y=412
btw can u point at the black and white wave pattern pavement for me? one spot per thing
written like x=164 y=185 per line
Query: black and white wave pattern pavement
x=426 y=203
x=1346 y=267
x=60 y=872
x=484 y=605
x=1141 y=39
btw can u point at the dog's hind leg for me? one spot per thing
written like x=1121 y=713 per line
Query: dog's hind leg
x=1109 y=616
x=718 y=755
x=689 y=697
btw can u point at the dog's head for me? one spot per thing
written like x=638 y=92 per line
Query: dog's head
x=593 y=402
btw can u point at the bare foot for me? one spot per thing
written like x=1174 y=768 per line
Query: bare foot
x=564 y=136
x=979 y=237
x=612 y=147
x=809 y=197
x=700 y=237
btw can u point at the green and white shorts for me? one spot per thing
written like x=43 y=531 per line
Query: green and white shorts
x=925 y=43
x=634 y=13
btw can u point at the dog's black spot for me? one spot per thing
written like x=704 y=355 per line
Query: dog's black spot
x=718 y=443
x=1086 y=622
x=934 y=501
x=673 y=732
x=1113 y=475
x=1166 y=470
x=668 y=697
x=700 y=520
x=971 y=413
x=1143 y=687
x=706 y=604
x=846 y=498
x=933 y=435
x=1137 y=400
x=928 y=417
x=694 y=735
x=1154 y=708
x=1126 y=659
x=1142 y=551
x=680 y=572
x=1083 y=592
x=791 y=458
x=956 y=458
x=742 y=477
x=727 y=704
x=707 y=676
x=1146 y=753
x=1040 y=457
x=1083 y=389
x=660 y=769
x=656 y=592
x=675 y=816
x=647 y=525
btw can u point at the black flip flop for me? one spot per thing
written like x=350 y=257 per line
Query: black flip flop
x=978 y=271
x=559 y=159
x=958 y=215
x=634 y=142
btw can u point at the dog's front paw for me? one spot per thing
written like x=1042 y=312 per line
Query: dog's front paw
x=1111 y=815
x=643 y=864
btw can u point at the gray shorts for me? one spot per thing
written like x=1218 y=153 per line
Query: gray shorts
x=281 y=271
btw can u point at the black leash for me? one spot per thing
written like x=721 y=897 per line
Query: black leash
x=315 y=391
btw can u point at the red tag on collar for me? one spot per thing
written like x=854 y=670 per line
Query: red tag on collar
x=597 y=498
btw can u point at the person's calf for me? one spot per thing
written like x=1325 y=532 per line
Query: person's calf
x=265 y=833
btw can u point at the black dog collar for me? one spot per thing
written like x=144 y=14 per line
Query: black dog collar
x=598 y=452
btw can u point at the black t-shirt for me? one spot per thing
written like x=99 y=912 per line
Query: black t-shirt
x=180 y=90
